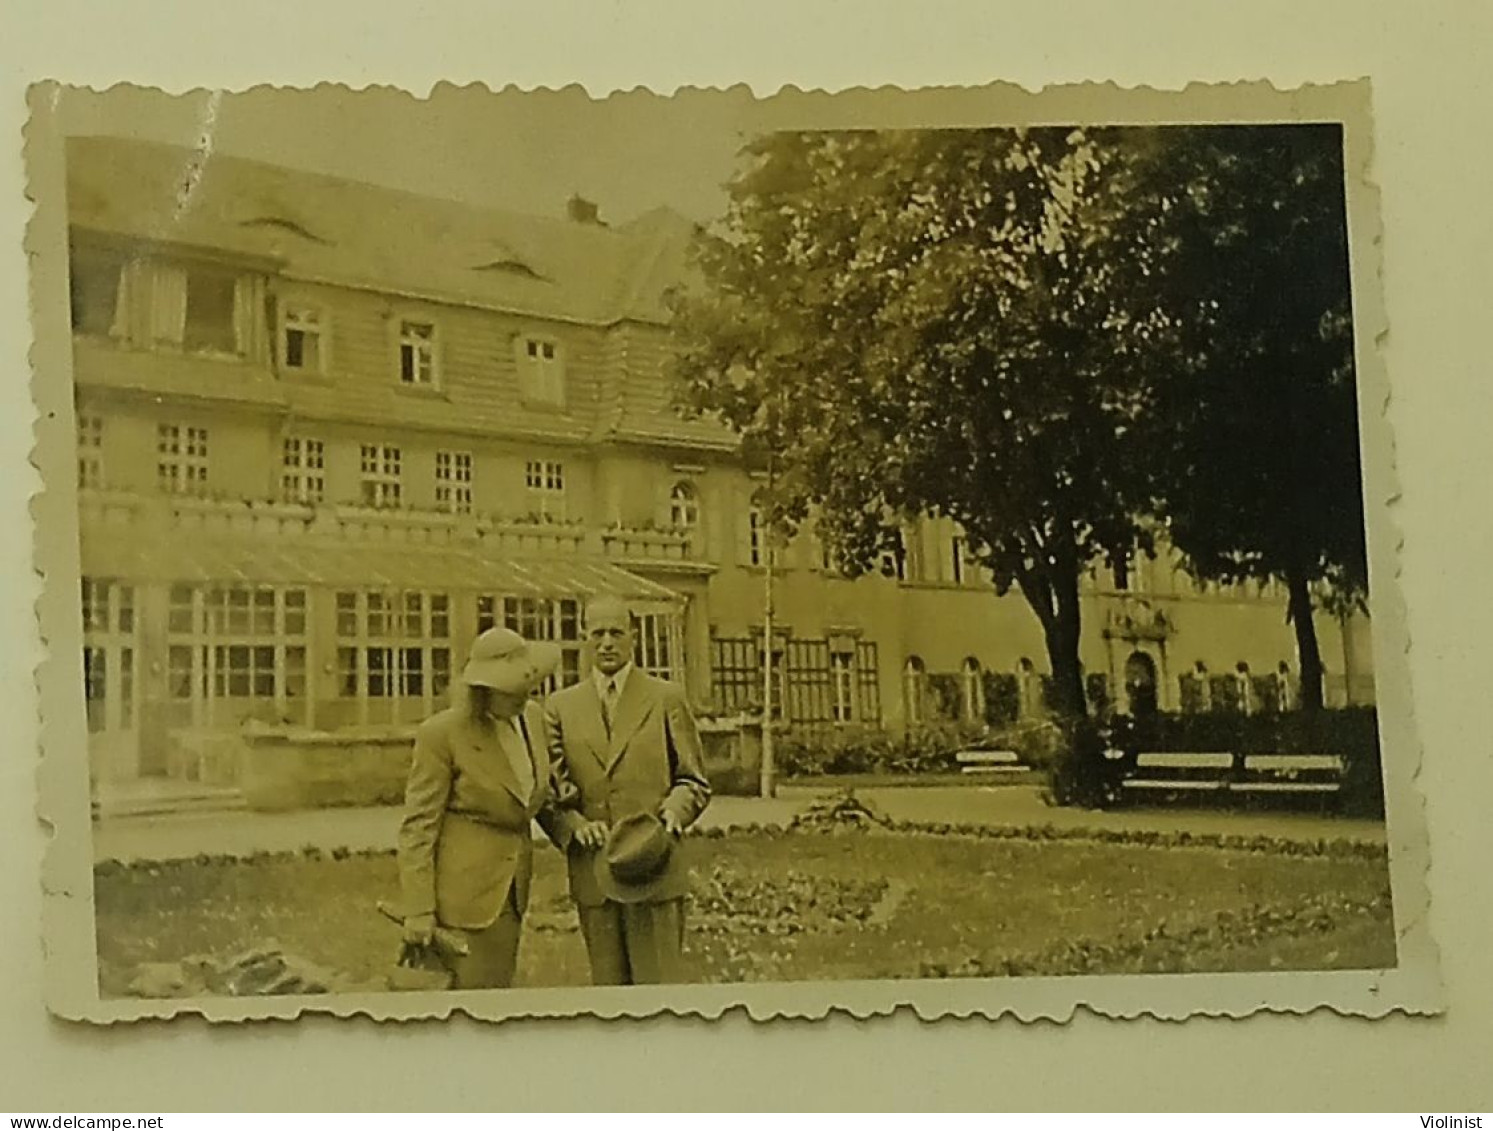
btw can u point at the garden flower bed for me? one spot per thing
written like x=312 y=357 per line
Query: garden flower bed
x=837 y=897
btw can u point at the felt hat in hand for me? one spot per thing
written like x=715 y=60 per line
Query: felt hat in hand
x=635 y=858
x=504 y=661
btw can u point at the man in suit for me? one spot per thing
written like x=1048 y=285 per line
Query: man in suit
x=624 y=743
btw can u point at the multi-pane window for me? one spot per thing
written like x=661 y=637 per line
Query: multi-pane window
x=914 y=691
x=303 y=476
x=813 y=683
x=417 y=353
x=556 y=619
x=90 y=451
x=108 y=610
x=809 y=681
x=655 y=648
x=108 y=607
x=382 y=475
x=237 y=642
x=181 y=458
x=760 y=548
x=301 y=343
x=453 y=482
x=736 y=674
x=544 y=480
x=393 y=646
x=868 y=681
x=956 y=561
x=842 y=686
x=684 y=507
x=542 y=379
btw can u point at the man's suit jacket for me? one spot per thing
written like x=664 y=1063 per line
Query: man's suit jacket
x=466 y=839
x=651 y=762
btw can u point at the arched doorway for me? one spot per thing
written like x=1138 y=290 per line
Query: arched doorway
x=1141 y=684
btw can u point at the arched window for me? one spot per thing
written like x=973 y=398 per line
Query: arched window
x=1028 y=688
x=914 y=690
x=684 y=507
x=973 y=687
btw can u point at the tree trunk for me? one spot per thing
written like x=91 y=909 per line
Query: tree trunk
x=1299 y=612
x=1061 y=625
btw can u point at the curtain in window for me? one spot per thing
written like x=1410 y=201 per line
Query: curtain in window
x=168 y=304
x=248 y=304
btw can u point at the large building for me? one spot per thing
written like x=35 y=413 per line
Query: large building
x=327 y=432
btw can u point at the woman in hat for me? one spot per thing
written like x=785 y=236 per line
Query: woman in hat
x=479 y=776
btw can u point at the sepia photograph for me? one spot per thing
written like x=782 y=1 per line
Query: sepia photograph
x=515 y=544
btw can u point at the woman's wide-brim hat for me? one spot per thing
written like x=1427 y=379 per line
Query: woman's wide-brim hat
x=504 y=661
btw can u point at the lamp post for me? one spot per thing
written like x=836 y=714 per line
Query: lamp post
x=768 y=784
x=769 y=752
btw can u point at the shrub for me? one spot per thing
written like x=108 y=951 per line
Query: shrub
x=1002 y=698
x=834 y=750
x=945 y=695
x=1080 y=773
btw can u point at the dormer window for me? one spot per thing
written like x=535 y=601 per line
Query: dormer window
x=541 y=371
x=301 y=344
x=94 y=278
x=417 y=354
x=210 y=323
x=684 y=507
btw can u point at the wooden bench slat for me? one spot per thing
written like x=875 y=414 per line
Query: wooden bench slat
x=1324 y=762
x=1288 y=786
x=992 y=769
x=1184 y=783
x=1174 y=761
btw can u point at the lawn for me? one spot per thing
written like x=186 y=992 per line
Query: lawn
x=812 y=905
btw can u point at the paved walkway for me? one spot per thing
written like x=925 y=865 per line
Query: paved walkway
x=183 y=835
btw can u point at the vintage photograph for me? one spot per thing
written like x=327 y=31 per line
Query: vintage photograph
x=519 y=546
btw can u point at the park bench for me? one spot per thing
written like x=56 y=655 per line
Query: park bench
x=1292 y=773
x=1169 y=771
x=1223 y=772
x=989 y=762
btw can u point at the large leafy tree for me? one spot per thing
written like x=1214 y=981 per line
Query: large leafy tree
x=966 y=323
x=1262 y=477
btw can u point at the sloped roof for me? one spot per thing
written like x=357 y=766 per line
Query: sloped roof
x=356 y=234
x=336 y=564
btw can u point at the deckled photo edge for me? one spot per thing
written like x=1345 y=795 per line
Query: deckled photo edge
x=1413 y=987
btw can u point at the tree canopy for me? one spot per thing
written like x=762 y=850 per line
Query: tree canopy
x=1262 y=475
x=997 y=326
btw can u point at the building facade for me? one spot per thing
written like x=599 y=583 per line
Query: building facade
x=328 y=432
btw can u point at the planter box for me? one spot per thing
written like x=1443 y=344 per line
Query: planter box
x=302 y=769
x=733 y=754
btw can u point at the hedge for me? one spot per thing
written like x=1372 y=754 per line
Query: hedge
x=827 y=750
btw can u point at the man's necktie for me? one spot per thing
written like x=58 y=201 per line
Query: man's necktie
x=609 y=705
